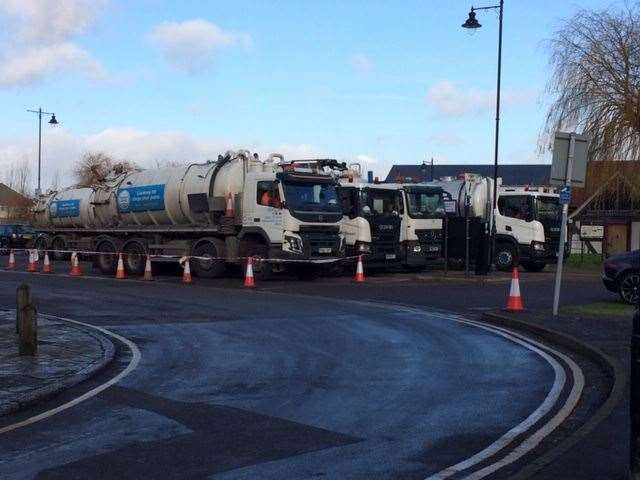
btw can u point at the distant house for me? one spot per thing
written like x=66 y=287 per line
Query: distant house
x=534 y=174
x=14 y=207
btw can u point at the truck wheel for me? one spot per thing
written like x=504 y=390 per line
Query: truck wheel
x=107 y=260
x=208 y=268
x=58 y=244
x=135 y=257
x=262 y=270
x=42 y=243
x=533 y=266
x=505 y=257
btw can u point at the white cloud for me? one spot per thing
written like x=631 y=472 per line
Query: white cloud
x=361 y=63
x=366 y=159
x=449 y=139
x=41 y=34
x=451 y=101
x=61 y=149
x=191 y=45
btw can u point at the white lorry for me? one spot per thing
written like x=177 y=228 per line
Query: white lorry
x=391 y=223
x=527 y=220
x=218 y=211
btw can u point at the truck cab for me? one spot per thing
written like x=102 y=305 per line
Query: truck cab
x=528 y=223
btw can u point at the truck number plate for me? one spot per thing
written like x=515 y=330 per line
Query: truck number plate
x=434 y=249
x=390 y=256
x=324 y=250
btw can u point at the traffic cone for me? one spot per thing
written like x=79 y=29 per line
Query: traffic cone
x=359 y=271
x=46 y=265
x=32 y=266
x=12 y=261
x=120 y=270
x=229 y=211
x=148 y=274
x=514 y=304
x=186 y=274
x=249 y=281
x=75 y=265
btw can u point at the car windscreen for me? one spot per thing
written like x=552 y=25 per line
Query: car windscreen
x=314 y=197
x=424 y=203
x=548 y=208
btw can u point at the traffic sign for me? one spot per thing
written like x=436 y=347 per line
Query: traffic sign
x=565 y=195
x=560 y=165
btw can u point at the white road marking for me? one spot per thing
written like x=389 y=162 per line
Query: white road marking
x=135 y=359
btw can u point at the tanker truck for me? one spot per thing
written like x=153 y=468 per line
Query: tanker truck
x=391 y=223
x=527 y=221
x=218 y=211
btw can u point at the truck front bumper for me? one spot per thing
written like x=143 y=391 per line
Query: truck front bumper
x=543 y=252
x=419 y=253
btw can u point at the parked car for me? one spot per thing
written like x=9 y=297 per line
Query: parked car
x=15 y=236
x=622 y=275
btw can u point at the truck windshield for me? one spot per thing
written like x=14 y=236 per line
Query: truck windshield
x=382 y=201
x=424 y=203
x=318 y=197
x=548 y=209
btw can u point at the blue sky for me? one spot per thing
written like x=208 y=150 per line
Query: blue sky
x=376 y=81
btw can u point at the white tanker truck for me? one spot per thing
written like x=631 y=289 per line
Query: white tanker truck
x=527 y=219
x=219 y=211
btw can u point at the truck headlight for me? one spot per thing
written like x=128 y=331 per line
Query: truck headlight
x=538 y=246
x=364 y=247
x=293 y=243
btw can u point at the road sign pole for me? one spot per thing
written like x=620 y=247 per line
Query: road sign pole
x=563 y=227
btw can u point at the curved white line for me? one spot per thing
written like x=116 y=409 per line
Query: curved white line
x=135 y=359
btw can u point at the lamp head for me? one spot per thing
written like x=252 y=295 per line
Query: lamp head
x=53 y=120
x=471 y=22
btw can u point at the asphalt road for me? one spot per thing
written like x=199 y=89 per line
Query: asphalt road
x=252 y=384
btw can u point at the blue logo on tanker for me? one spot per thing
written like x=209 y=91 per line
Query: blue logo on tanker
x=140 y=199
x=64 y=208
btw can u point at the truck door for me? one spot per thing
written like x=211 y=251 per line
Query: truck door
x=515 y=218
x=267 y=209
x=349 y=203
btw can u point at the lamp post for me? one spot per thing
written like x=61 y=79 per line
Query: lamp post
x=52 y=121
x=472 y=23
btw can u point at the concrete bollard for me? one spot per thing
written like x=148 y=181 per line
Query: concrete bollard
x=28 y=341
x=23 y=298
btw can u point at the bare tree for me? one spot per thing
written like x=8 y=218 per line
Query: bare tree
x=595 y=57
x=18 y=177
x=94 y=167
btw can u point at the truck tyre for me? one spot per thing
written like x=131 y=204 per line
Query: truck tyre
x=107 y=258
x=135 y=256
x=533 y=266
x=208 y=268
x=42 y=243
x=505 y=257
x=59 y=243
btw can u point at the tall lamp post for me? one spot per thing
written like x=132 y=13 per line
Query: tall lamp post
x=52 y=121
x=472 y=23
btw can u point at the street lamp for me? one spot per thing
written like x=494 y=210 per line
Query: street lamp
x=51 y=122
x=472 y=23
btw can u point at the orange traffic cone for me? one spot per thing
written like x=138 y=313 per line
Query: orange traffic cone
x=12 y=261
x=120 y=270
x=359 y=271
x=148 y=274
x=514 y=304
x=75 y=265
x=229 y=211
x=32 y=266
x=186 y=273
x=249 y=281
x=46 y=265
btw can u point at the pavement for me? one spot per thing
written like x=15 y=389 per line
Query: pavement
x=303 y=380
x=67 y=355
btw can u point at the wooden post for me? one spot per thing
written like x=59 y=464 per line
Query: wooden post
x=28 y=342
x=23 y=298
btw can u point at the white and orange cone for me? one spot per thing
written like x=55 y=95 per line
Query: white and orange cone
x=514 y=304
x=32 y=266
x=120 y=274
x=229 y=211
x=359 y=271
x=186 y=273
x=46 y=264
x=11 y=265
x=75 y=265
x=148 y=274
x=249 y=280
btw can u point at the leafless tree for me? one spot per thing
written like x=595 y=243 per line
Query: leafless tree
x=18 y=177
x=595 y=57
x=94 y=167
